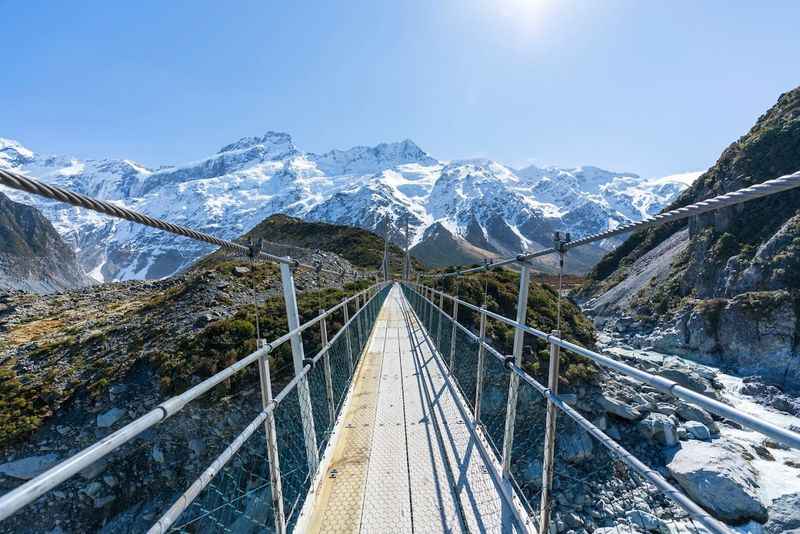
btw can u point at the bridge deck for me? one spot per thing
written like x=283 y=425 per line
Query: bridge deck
x=403 y=459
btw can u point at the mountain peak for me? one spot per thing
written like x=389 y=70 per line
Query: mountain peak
x=13 y=153
x=272 y=141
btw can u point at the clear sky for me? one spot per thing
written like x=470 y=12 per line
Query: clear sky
x=653 y=87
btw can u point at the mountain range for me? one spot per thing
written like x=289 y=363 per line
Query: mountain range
x=457 y=211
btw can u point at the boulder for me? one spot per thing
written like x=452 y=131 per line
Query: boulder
x=719 y=478
x=697 y=430
x=689 y=378
x=690 y=412
x=784 y=514
x=30 y=467
x=659 y=428
x=619 y=408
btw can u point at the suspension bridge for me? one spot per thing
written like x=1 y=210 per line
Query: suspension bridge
x=408 y=420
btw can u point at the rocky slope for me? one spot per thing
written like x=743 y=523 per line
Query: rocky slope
x=77 y=365
x=33 y=257
x=724 y=287
x=489 y=208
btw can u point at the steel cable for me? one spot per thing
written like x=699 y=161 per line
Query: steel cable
x=20 y=182
x=769 y=187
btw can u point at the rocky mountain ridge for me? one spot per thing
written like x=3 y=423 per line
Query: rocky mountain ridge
x=33 y=257
x=723 y=287
x=488 y=209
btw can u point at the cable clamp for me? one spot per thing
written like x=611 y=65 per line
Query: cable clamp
x=508 y=361
x=310 y=362
x=254 y=248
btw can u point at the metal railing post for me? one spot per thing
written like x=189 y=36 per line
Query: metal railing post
x=453 y=335
x=276 y=488
x=347 y=337
x=427 y=309
x=298 y=359
x=358 y=320
x=327 y=368
x=549 y=436
x=440 y=321
x=481 y=365
x=513 y=381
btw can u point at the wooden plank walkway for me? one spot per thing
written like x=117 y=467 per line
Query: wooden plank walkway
x=404 y=459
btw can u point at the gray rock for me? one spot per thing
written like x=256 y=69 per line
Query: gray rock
x=240 y=270
x=690 y=412
x=575 y=447
x=94 y=469
x=30 y=467
x=646 y=521
x=110 y=417
x=619 y=528
x=784 y=514
x=659 y=428
x=92 y=490
x=157 y=454
x=102 y=502
x=697 y=430
x=720 y=479
x=533 y=473
x=619 y=408
x=689 y=378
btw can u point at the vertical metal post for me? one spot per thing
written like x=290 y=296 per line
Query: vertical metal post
x=276 y=488
x=406 y=259
x=453 y=335
x=347 y=336
x=327 y=368
x=386 y=248
x=549 y=437
x=428 y=319
x=513 y=382
x=298 y=357
x=481 y=365
x=440 y=311
x=358 y=319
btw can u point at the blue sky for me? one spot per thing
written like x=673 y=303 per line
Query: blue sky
x=654 y=87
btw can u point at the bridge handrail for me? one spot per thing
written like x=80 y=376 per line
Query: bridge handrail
x=28 y=492
x=665 y=385
x=651 y=475
x=183 y=502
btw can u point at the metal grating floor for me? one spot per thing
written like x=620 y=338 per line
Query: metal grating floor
x=404 y=459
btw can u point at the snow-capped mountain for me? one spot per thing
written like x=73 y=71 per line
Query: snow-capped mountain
x=481 y=207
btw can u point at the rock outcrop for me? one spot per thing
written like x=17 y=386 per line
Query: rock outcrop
x=723 y=287
x=33 y=257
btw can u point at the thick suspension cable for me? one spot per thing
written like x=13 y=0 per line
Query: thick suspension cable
x=20 y=182
x=769 y=187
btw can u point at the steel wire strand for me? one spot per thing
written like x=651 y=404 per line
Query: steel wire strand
x=20 y=182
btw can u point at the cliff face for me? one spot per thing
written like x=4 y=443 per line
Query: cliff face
x=33 y=257
x=724 y=286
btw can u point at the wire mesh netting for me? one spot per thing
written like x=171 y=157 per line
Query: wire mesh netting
x=494 y=401
x=239 y=499
x=528 y=448
x=465 y=365
x=593 y=488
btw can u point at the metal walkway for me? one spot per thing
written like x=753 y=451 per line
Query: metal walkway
x=406 y=457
